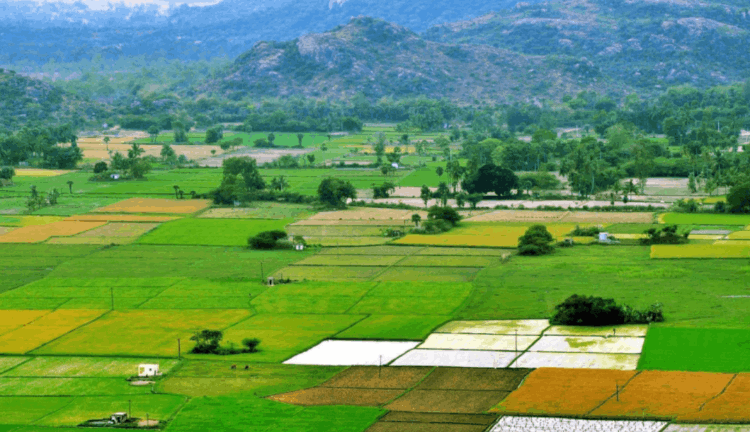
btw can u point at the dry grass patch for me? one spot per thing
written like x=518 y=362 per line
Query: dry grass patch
x=474 y=379
x=578 y=361
x=346 y=241
x=499 y=327
x=40 y=233
x=448 y=261
x=156 y=205
x=349 y=260
x=378 y=378
x=338 y=396
x=94 y=148
x=36 y=172
x=368 y=214
x=447 y=401
x=482 y=234
x=699 y=251
x=45 y=329
x=120 y=218
x=518 y=216
x=608 y=217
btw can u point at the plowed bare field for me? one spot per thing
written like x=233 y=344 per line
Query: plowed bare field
x=447 y=401
x=424 y=427
x=378 y=378
x=338 y=396
x=474 y=379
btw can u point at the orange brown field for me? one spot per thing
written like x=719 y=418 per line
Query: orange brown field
x=40 y=233
x=338 y=396
x=564 y=392
x=94 y=148
x=731 y=406
x=156 y=205
x=120 y=218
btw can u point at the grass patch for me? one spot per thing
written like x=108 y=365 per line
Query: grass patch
x=158 y=407
x=482 y=234
x=211 y=232
x=704 y=219
x=700 y=251
x=393 y=327
x=688 y=349
x=436 y=274
x=91 y=367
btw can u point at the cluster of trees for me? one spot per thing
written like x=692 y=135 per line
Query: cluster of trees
x=209 y=342
x=41 y=146
x=582 y=310
x=134 y=165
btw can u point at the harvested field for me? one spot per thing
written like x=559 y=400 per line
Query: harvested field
x=94 y=148
x=119 y=229
x=698 y=251
x=40 y=233
x=346 y=241
x=730 y=406
x=338 y=396
x=5 y=230
x=608 y=217
x=553 y=424
x=456 y=358
x=506 y=327
x=37 y=172
x=519 y=216
x=589 y=344
x=120 y=218
x=577 y=361
x=634 y=330
x=262 y=211
x=473 y=379
x=24 y=221
x=657 y=394
x=336 y=231
x=156 y=205
x=565 y=392
x=368 y=214
x=447 y=401
x=478 y=342
x=706 y=428
x=409 y=417
x=482 y=234
x=706 y=237
x=378 y=378
x=352 y=353
x=372 y=250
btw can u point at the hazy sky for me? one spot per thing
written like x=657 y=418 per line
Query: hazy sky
x=103 y=4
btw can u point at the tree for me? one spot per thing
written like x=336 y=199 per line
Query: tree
x=442 y=192
x=7 y=173
x=383 y=191
x=394 y=157
x=416 y=219
x=491 y=178
x=335 y=192
x=425 y=194
x=214 y=135
x=644 y=162
x=455 y=172
x=135 y=151
x=167 y=153
x=176 y=191
x=139 y=168
x=271 y=139
x=692 y=186
x=266 y=240
x=536 y=241
x=206 y=341
x=153 y=132
x=70 y=186
x=460 y=200
x=247 y=168
x=106 y=142
x=379 y=146
x=180 y=136
x=311 y=159
x=738 y=198
x=474 y=199
x=100 y=167
x=439 y=171
x=447 y=214
x=300 y=137
x=323 y=148
x=279 y=183
x=251 y=344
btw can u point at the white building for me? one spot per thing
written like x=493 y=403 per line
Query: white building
x=148 y=370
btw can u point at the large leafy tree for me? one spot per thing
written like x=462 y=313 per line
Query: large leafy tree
x=491 y=178
x=335 y=192
x=738 y=199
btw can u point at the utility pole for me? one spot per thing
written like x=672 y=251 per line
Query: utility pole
x=112 y=297
x=262 y=274
x=179 y=350
x=129 y=408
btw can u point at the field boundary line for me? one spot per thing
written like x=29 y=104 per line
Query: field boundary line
x=395 y=264
x=3 y=372
x=539 y=337
x=375 y=285
x=616 y=392
x=720 y=393
x=364 y=317
x=410 y=389
x=72 y=400
x=71 y=331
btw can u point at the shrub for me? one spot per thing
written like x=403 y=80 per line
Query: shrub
x=666 y=235
x=206 y=341
x=100 y=167
x=251 y=344
x=585 y=232
x=266 y=240
x=596 y=311
x=536 y=241
x=445 y=214
x=720 y=207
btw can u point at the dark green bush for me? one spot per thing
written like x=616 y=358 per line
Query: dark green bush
x=666 y=235
x=447 y=214
x=536 y=241
x=586 y=232
x=266 y=240
x=100 y=167
x=596 y=311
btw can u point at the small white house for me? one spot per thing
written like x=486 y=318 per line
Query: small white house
x=118 y=418
x=148 y=370
x=394 y=165
x=115 y=176
x=603 y=237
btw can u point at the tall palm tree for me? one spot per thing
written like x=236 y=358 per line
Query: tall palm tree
x=70 y=186
x=176 y=191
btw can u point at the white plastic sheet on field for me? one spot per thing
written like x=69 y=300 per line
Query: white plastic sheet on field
x=553 y=424
x=352 y=353
x=588 y=344
x=478 y=342
x=577 y=361
x=456 y=358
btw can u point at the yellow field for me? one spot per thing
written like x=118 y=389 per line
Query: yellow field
x=608 y=217
x=13 y=319
x=518 y=216
x=706 y=237
x=367 y=214
x=120 y=218
x=33 y=220
x=94 y=148
x=700 y=251
x=366 y=149
x=35 y=172
x=629 y=236
x=602 y=218
x=584 y=240
x=40 y=233
x=483 y=234
x=739 y=235
x=115 y=232
x=5 y=230
x=156 y=205
x=45 y=329
x=732 y=242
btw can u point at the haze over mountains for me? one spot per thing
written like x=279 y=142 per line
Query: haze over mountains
x=471 y=50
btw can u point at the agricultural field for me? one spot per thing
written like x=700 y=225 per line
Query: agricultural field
x=211 y=232
x=483 y=234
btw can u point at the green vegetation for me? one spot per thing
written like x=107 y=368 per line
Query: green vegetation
x=211 y=232
x=696 y=349
x=705 y=219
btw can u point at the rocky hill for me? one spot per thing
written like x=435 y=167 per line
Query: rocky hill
x=647 y=44
x=377 y=58
x=24 y=101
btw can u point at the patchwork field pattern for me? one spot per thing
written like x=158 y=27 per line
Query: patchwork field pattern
x=211 y=232
x=696 y=349
x=155 y=205
x=261 y=210
x=391 y=263
x=352 y=353
x=40 y=233
x=554 y=424
x=545 y=217
x=45 y=329
x=528 y=344
x=113 y=232
x=483 y=234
